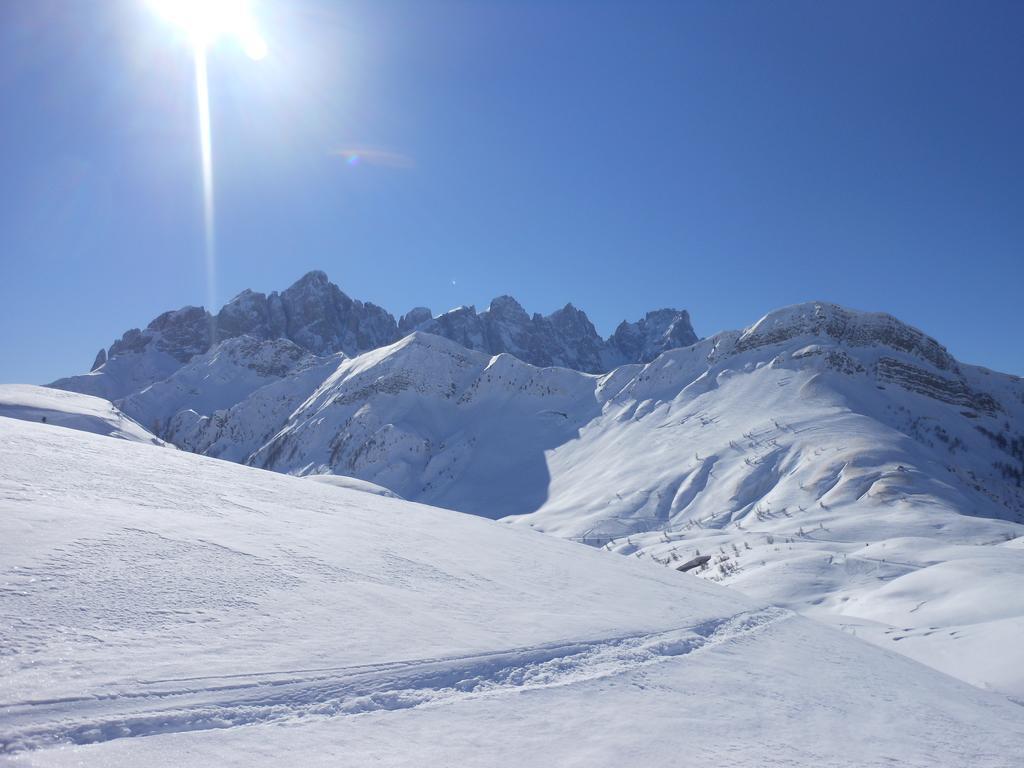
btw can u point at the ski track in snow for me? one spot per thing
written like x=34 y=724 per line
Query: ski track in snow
x=203 y=703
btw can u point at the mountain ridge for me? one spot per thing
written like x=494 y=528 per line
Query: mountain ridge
x=318 y=316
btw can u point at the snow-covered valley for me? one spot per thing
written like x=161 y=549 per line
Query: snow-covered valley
x=160 y=608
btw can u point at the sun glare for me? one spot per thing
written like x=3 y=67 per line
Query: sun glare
x=207 y=21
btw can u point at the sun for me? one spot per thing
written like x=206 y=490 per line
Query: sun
x=207 y=21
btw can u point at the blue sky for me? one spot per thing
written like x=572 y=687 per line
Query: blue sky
x=724 y=157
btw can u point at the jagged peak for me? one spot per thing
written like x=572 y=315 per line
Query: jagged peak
x=419 y=311
x=188 y=312
x=313 y=277
x=316 y=283
x=666 y=313
x=505 y=303
x=244 y=295
x=414 y=318
x=569 y=310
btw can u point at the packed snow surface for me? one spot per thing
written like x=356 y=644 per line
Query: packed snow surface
x=165 y=609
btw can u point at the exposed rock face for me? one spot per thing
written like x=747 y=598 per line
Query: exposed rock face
x=249 y=314
x=657 y=332
x=414 y=317
x=953 y=390
x=574 y=339
x=314 y=313
x=321 y=318
x=508 y=328
x=101 y=358
x=565 y=338
x=462 y=325
x=182 y=333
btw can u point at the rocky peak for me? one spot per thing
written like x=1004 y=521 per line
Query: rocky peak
x=507 y=309
x=320 y=317
x=564 y=338
x=246 y=314
x=462 y=325
x=315 y=277
x=656 y=332
x=180 y=333
x=414 y=318
x=573 y=322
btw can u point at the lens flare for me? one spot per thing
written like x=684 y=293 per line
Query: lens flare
x=367 y=155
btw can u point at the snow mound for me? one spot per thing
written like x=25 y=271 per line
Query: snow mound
x=69 y=409
x=353 y=484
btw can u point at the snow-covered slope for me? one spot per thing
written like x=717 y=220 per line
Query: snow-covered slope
x=836 y=463
x=218 y=379
x=438 y=423
x=235 y=433
x=69 y=409
x=825 y=458
x=163 y=609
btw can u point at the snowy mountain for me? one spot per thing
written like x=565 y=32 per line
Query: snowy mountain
x=840 y=463
x=315 y=315
x=160 y=608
